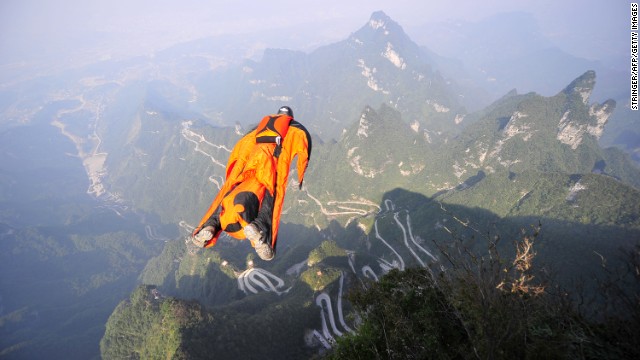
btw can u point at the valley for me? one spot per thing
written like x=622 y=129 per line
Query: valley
x=105 y=170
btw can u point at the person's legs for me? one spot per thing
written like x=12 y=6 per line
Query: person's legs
x=258 y=232
x=262 y=247
x=265 y=215
x=213 y=222
x=209 y=229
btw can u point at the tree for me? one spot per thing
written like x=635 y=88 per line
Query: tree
x=474 y=306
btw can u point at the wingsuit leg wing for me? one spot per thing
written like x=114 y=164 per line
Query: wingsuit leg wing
x=235 y=165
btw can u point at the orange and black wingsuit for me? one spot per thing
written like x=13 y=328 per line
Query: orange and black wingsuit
x=259 y=162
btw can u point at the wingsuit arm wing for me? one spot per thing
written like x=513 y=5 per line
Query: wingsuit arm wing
x=303 y=150
x=296 y=143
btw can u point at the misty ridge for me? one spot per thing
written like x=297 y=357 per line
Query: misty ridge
x=108 y=161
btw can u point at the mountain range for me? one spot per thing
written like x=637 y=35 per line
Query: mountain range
x=403 y=155
x=497 y=58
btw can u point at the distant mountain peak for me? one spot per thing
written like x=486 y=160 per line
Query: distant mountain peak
x=379 y=19
x=382 y=23
x=380 y=144
x=376 y=123
x=582 y=86
x=575 y=124
x=387 y=38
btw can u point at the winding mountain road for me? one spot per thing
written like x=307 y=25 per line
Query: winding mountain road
x=198 y=140
x=253 y=278
x=326 y=313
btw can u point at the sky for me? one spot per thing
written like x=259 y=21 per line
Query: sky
x=51 y=30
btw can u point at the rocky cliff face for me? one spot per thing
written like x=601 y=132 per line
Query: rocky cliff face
x=572 y=128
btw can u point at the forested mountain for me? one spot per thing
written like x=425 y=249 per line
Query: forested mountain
x=66 y=259
x=499 y=176
x=329 y=86
x=510 y=51
x=106 y=169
